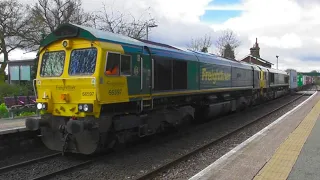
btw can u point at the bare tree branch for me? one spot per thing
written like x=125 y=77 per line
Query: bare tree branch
x=47 y=15
x=120 y=23
x=227 y=37
x=200 y=44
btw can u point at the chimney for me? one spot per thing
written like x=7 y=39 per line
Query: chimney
x=255 y=50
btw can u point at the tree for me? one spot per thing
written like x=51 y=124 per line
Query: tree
x=200 y=44
x=228 y=52
x=123 y=23
x=47 y=15
x=14 y=24
x=227 y=37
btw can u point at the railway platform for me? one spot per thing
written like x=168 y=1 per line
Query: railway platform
x=8 y=126
x=288 y=148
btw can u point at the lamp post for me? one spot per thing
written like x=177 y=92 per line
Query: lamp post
x=277 y=60
x=150 y=26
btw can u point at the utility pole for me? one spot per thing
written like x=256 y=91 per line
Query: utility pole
x=277 y=60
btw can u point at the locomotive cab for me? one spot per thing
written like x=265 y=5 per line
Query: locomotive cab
x=72 y=71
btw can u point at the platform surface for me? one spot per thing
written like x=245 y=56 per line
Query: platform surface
x=288 y=148
x=308 y=164
x=13 y=125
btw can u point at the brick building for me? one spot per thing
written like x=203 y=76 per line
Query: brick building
x=254 y=56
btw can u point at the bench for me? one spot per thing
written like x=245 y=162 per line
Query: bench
x=19 y=104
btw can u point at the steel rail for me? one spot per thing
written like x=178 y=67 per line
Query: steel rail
x=10 y=167
x=50 y=175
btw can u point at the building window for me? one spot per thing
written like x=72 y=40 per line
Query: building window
x=25 y=73
x=19 y=74
x=14 y=73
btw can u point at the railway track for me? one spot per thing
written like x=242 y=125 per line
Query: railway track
x=25 y=163
x=184 y=157
x=13 y=167
x=52 y=174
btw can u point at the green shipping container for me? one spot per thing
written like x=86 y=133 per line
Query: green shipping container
x=300 y=80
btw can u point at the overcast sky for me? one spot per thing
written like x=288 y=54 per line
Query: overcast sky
x=288 y=28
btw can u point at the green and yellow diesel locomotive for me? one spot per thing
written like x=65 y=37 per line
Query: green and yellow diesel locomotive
x=96 y=89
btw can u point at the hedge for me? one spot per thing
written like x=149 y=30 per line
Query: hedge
x=14 y=90
x=7 y=90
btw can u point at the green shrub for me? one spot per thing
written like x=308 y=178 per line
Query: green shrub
x=14 y=90
x=26 y=113
x=3 y=111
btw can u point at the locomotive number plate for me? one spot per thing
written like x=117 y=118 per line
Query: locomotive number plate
x=87 y=93
x=114 y=92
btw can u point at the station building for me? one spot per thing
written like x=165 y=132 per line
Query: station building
x=19 y=71
x=254 y=57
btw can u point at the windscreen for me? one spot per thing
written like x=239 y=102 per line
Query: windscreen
x=83 y=61
x=52 y=64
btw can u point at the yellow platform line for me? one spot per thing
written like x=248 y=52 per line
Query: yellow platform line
x=281 y=163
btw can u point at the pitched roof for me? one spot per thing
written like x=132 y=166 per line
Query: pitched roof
x=259 y=59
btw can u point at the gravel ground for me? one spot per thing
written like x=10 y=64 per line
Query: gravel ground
x=43 y=167
x=140 y=159
x=20 y=157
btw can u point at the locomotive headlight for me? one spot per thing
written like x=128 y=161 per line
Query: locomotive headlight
x=65 y=44
x=43 y=106
x=39 y=106
x=85 y=107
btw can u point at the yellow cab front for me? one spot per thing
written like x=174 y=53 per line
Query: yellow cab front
x=67 y=76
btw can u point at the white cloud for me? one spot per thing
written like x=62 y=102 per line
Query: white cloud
x=175 y=10
x=178 y=20
x=288 y=28
x=287 y=41
x=229 y=7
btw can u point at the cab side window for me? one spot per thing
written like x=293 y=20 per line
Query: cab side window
x=118 y=64
x=125 y=65
x=113 y=64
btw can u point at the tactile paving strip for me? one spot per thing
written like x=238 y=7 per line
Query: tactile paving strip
x=281 y=163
